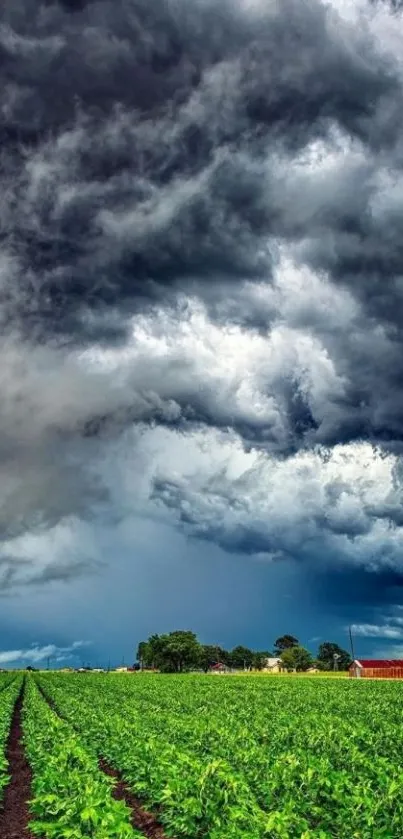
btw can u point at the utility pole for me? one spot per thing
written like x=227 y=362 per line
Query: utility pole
x=351 y=643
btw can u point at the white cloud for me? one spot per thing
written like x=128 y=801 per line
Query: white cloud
x=337 y=504
x=230 y=374
x=380 y=19
x=367 y=630
x=54 y=555
x=37 y=654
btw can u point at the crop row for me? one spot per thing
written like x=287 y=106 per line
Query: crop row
x=72 y=798
x=7 y=678
x=318 y=759
x=196 y=796
x=219 y=758
x=8 y=695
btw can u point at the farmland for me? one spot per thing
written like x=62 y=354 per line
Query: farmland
x=223 y=758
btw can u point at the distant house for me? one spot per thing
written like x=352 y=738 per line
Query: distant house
x=121 y=669
x=273 y=665
x=219 y=668
x=313 y=670
x=376 y=668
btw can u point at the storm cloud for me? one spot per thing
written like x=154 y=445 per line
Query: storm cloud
x=149 y=146
x=201 y=214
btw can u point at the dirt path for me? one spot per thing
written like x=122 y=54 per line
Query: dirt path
x=141 y=819
x=14 y=814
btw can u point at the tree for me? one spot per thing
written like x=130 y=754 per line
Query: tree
x=144 y=654
x=285 y=642
x=210 y=655
x=225 y=657
x=296 y=658
x=176 y=652
x=326 y=653
x=147 y=651
x=241 y=657
x=259 y=660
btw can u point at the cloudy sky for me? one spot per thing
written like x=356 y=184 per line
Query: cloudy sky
x=201 y=308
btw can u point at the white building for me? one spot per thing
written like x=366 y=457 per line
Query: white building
x=273 y=665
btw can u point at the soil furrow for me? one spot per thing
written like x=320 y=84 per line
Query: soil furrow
x=141 y=819
x=14 y=812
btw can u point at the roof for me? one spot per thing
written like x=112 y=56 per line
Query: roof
x=379 y=663
x=271 y=662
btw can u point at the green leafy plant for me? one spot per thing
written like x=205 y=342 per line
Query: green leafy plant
x=10 y=688
x=235 y=757
x=71 y=797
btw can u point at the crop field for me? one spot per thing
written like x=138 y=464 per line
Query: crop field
x=110 y=755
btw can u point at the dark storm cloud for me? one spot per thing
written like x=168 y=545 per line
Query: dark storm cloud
x=151 y=147
x=63 y=572
x=395 y=5
x=330 y=509
x=247 y=539
x=135 y=138
x=153 y=152
x=16 y=572
x=369 y=573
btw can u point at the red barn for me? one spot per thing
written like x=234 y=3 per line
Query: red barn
x=377 y=668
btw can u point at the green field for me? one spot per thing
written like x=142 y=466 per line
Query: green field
x=214 y=756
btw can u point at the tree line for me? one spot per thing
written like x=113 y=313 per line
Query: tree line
x=181 y=651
